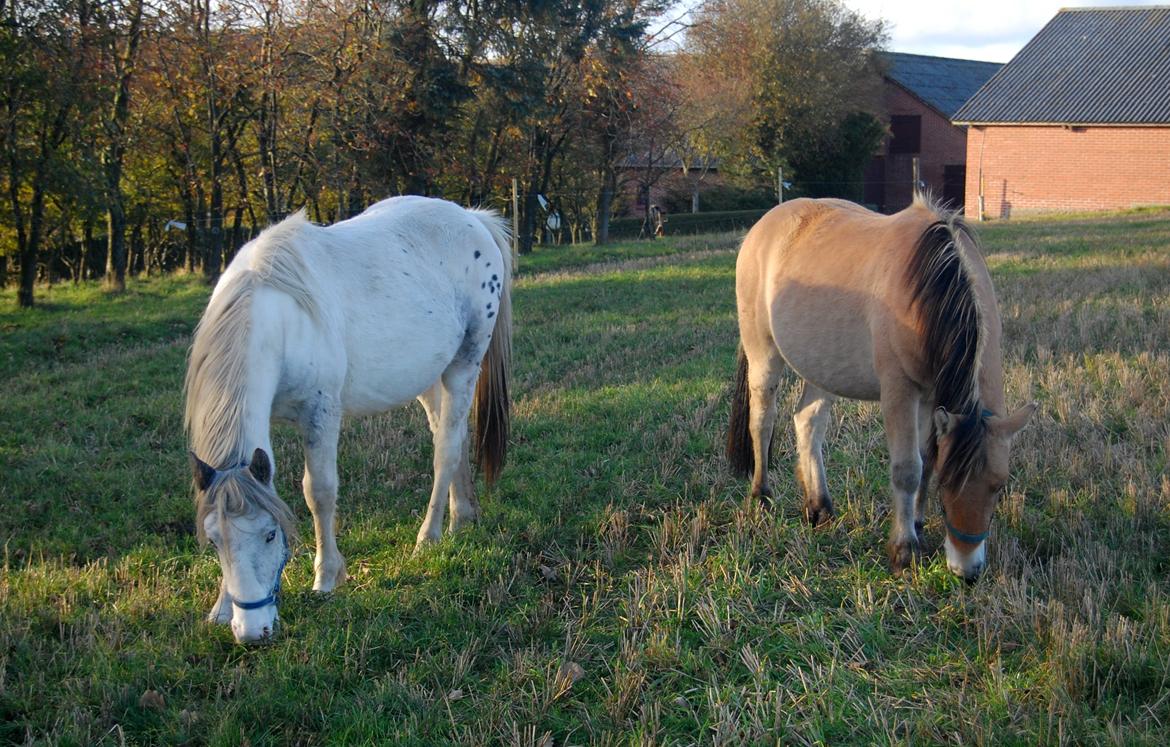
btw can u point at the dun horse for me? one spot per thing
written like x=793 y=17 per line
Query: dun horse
x=898 y=309
x=410 y=299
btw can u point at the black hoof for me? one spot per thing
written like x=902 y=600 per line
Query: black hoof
x=903 y=556
x=818 y=513
x=764 y=496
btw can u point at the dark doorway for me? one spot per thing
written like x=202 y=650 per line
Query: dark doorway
x=954 y=186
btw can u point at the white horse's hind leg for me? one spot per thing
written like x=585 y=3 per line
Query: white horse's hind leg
x=457 y=385
x=461 y=498
x=320 y=485
x=812 y=422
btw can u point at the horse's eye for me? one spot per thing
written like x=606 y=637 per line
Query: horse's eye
x=271 y=536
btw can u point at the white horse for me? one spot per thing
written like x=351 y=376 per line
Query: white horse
x=410 y=299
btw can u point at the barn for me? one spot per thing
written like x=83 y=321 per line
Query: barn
x=920 y=94
x=1079 y=120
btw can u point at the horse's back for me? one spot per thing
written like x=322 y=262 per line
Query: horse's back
x=401 y=292
x=820 y=280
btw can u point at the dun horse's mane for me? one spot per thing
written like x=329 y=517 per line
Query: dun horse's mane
x=216 y=382
x=940 y=277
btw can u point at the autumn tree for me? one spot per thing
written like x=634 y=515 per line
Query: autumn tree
x=775 y=79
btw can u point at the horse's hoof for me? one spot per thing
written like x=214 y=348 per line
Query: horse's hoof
x=820 y=513
x=903 y=556
x=423 y=542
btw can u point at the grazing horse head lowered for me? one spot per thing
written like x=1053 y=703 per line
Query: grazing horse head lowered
x=409 y=300
x=898 y=309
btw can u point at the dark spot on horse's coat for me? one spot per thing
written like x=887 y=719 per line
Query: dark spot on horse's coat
x=489 y=264
x=477 y=254
x=496 y=278
x=489 y=305
x=482 y=285
x=491 y=314
x=407 y=274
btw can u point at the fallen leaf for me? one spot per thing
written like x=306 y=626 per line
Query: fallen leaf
x=153 y=700
x=455 y=694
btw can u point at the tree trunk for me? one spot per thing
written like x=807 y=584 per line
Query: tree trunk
x=28 y=252
x=604 y=207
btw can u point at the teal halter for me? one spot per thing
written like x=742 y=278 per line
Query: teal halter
x=970 y=539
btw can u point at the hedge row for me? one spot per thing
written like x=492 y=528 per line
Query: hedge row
x=688 y=223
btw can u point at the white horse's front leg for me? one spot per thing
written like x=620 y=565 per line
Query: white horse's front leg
x=221 y=611
x=450 y=447
x=320 y=485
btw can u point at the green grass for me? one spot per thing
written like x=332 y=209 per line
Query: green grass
x=620 y=588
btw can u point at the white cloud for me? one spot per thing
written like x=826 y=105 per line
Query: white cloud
x=984 y=30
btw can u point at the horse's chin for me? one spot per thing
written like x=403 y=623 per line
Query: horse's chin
x=966 y=564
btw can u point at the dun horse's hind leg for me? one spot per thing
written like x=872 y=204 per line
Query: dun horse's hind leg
x=456 y=388
x=461 y=495
x=900 y=406
x=763 y=382
x=812 y=421
x=320 y=433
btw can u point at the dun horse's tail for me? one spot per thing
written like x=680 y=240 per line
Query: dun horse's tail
x=492 y=405
x=739 y=435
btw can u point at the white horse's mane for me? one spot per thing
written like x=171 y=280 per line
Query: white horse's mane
x=216 y=371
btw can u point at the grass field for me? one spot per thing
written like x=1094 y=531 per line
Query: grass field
x=620 y=589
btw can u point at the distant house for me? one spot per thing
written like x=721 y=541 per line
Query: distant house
x=1078 y=120
x=921 y=95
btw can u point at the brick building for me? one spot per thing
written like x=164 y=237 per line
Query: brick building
x=920 y=95
x=1078 y=120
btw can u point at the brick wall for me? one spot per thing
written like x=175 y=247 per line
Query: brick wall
x=942 y=144
x=1037 y=169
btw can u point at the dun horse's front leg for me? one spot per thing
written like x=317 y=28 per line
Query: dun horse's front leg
x=320 y=485
x=900 y=413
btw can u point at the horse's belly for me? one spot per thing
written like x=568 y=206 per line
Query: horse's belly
x=825 y=338
x=394 y=358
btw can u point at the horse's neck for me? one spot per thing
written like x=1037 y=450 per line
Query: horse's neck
x=241 y=421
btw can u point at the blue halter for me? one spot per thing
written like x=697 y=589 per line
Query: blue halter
x=274 y=595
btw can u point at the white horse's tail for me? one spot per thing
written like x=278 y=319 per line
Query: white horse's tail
x=492 y=404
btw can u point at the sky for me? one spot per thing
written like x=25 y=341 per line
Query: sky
x=991 y=30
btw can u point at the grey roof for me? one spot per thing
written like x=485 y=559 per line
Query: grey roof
x=942 y=82
x=1087 y=66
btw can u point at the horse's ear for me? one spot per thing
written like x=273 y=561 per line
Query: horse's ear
x=204 y=473
x=261 y=467
x=944 y=422
x=1010 y=425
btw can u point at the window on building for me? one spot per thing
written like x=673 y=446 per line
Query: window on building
x=907 y=133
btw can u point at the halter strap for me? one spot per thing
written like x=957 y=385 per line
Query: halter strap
x=970 y=539
x=274 y=595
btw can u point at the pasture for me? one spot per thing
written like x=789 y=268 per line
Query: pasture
x=620 y=588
